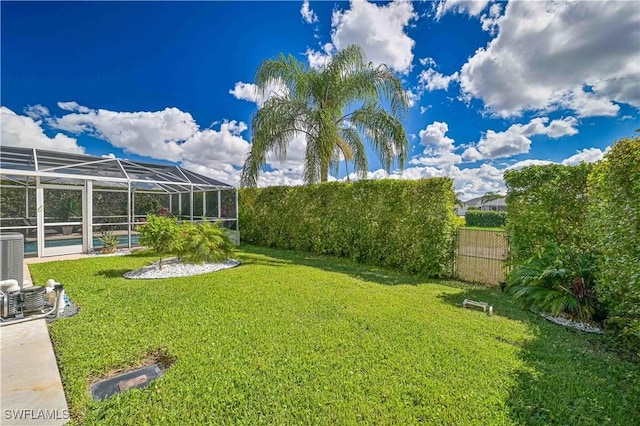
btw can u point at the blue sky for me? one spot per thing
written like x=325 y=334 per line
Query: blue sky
x=494 y=85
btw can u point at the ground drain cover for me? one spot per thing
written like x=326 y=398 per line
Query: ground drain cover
x=131 y=380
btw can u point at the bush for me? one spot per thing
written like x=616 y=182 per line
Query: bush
x=485 y=219
x=556 y=280
x=203 y=242
x=193 y=243
x=547 y=205
x=398 y=223
x=160 y=234
x=614 y=190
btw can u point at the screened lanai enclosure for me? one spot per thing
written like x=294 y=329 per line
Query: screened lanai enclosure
x=63 y=202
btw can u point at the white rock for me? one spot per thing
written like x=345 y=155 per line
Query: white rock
x=588 y=328
x=172 y=268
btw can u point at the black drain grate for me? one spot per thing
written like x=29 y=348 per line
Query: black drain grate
x=131 y=380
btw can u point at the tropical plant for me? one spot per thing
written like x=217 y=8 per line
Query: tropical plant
x=556 y=280
x=204 y=242
x=333 y=108
x=68 y=208
x=108 y=240
x=161 y=234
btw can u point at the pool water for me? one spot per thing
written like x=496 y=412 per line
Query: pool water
x=32 y=246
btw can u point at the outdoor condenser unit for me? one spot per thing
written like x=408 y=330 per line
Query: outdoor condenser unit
x=11 y=256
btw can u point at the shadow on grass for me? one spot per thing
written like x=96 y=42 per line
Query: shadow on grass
x=502 y=304
x=568 y=377
x=275 y=257
x=112 y=273
x=144 y=254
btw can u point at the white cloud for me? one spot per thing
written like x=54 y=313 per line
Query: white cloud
x=296 y=152
x=427 y=62
x=515 y=140
x=37 y=111
x=527 y=163
x=431 y=79
x=553 y=55
x=424 y=109
x=318 y=59
x=217 y=149
x=587 y=155
x=73 y=107
x=157 y=134
x=23 y=131
x=246 y=92
x=587 y=104
x=249 y=92
x=281 y=177
x=380 y=30
x=470 y=182
x=169 y=134
x=224 y=173
x=469 y=7
x=174 y=135
x=439 y=148
x=413 y=98
x=308 y=15
x=491 y=20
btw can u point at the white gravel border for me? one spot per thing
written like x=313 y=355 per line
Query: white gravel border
x=172 y=268
x=582 y=326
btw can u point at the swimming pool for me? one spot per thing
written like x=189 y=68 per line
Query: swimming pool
x=32 y=246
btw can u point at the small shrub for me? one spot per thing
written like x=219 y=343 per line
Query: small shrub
x=556 y=280
x=204 y=242
x=108 y=240
x=160 y=234
x=485 y=219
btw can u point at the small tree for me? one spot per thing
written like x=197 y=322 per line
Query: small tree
x=160 y=234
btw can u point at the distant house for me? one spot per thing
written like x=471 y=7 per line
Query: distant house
x=496 y=205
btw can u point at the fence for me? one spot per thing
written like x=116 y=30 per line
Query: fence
x=480 y=256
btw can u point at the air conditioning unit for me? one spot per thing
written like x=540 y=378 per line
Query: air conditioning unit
x=11 y=256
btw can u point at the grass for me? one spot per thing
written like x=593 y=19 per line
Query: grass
x=290 y=338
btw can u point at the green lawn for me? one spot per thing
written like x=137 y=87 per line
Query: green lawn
x=289 y=338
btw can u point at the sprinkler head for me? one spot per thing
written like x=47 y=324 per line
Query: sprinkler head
x=503 y=286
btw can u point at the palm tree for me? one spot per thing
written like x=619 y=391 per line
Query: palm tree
x=334 y=107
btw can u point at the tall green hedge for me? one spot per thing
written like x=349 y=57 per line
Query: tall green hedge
x=547 y=205
x=485 y=219
x=398 y=223
x=614 y=191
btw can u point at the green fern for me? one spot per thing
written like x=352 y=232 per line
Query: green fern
x=556 y=280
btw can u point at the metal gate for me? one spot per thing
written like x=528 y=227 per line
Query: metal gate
x=480 y=255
